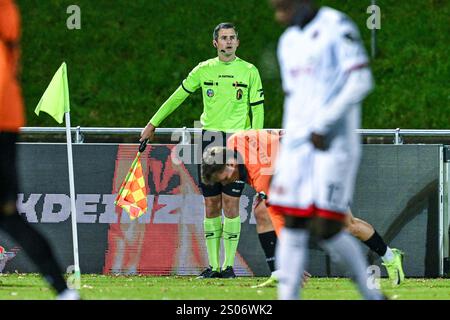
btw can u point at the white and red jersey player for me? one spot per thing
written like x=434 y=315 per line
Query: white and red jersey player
x=325 y=76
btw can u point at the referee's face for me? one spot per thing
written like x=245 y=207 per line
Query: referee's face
x=227 y=43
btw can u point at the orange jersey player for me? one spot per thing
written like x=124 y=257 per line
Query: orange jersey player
x=250 y=157
x=258 y=150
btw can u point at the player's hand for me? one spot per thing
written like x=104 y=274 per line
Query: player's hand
x=148 y=132
x=319 y=141
x=305 y=277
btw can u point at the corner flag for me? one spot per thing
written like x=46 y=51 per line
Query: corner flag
x=132 y=195
x=55 y=100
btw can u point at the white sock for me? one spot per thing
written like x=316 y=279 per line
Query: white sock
x=388 y=256
x=344 y=249
x=290 y=260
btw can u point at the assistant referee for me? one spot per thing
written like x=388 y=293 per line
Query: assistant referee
x=233 y=100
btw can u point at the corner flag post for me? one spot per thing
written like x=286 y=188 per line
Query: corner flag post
x=72 y=203
x=55 y=101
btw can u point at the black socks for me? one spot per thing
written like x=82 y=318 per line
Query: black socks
x=268 y=242
x=376 y=244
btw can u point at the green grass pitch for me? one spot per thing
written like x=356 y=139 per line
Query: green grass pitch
x=102 y=287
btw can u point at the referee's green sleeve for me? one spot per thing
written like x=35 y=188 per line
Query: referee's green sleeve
x=188 y=86
x=256 y=100
x=258 y=116
x=169 y=106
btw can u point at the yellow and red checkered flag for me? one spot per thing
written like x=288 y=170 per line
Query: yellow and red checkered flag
x=132 y=195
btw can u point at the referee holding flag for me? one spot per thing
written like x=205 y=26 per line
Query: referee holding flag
x=233 y=100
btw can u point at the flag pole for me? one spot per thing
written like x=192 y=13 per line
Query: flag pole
x=73 y=208
x=56 y=102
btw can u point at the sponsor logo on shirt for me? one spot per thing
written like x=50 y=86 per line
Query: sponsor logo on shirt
x=278 y=190
x=226 y=76
x=295 y=72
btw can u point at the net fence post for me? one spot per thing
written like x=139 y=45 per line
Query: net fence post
x=79 y=137
x=397 y=138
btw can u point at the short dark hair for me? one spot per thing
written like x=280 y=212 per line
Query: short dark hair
x=224 y=25
x=214 y=161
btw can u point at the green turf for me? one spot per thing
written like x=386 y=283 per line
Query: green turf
x=101 y=287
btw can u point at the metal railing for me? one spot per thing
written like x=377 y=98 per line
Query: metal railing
x=81 y=131
x=185 y=133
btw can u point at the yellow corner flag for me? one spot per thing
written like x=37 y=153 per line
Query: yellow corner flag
x=132 y=195
x=55 y=100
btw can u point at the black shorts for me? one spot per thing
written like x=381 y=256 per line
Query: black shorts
x=8 y=169
x=212 y=139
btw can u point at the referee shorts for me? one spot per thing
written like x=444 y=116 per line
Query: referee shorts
x=212 y=139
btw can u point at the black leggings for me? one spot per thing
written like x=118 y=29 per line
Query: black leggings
x=8 y=171
x=32 y=242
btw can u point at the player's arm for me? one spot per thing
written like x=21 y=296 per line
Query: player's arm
x=188 y=86
x=256 y=100
x=10 y=35
x=358 y=85
x=354 y=67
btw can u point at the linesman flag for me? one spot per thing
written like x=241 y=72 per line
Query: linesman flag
x=132 y=195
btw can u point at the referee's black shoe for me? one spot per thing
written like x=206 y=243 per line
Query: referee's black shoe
x=228 y=273
x=209 y=273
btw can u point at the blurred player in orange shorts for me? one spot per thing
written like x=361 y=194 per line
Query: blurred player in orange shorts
x=11 y=119
x=250 y=156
